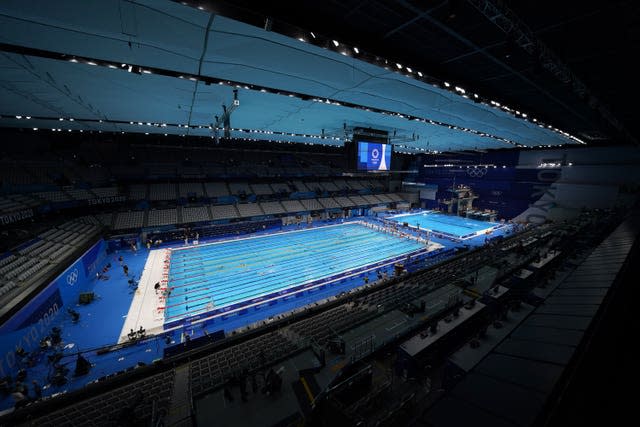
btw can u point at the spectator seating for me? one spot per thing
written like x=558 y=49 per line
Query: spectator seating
x=301 y=186
x=162 y=192
x=216 y=189
x=272 y=208
x=328 y=203
x=280 y=187
x=261 y=189
x=79 y=194
x=224 y=212
x=186 y=189
x=195 y=214
x=53 y=196
x=338 y=319
x=24 y=199
x=211 y=371
x=42 y=253
x=344 y=202
x=10 y=205
x=249 y=209
x=314 y=186
x=311 y=204
x=371 y=199
x=293 y=206
x=237 y=188
x=127 y=220
x=356 y=185
x=328 y=186
x=105 y=219
x=154 y=391
x=162 y=217
x=359 y=200
x=105 y=191
x=138 y=192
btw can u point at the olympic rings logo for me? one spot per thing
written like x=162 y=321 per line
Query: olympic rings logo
x=72 y=277
x=477 y=173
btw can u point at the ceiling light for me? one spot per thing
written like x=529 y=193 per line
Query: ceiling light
x=18 y=117
x=335 y=43
x=313 y=35
x=91 y=63
x=419 y=73
x=355 y=49
x=409 y=70
x=399 y=66
x=447 y=84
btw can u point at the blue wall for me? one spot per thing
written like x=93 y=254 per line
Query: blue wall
x=505 y=186
x=34 y=321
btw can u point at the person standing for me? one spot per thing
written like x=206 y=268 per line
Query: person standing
x=125 y=268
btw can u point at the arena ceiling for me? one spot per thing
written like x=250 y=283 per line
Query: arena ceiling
x=568 y=62
x=162 y=67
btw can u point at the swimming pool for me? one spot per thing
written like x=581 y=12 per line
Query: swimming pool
x=230 y=274
x=450 y=225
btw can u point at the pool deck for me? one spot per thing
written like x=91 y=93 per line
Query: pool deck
x=144 y=306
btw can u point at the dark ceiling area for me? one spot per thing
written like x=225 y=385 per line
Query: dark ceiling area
x=464 y=42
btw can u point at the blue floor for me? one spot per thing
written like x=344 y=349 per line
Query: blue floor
x=100 y=324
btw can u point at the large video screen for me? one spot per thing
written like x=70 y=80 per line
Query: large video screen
x=374 y=156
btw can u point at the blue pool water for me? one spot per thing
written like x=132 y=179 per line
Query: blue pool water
x=223 y=274
x=453 y=225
